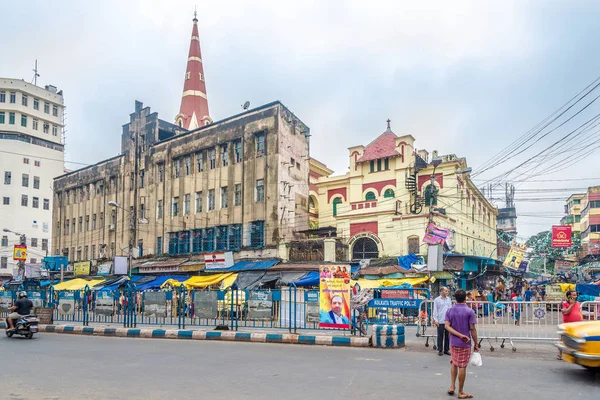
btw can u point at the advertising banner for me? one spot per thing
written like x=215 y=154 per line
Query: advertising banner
x=218 y=260
x=561 y=236
x=334 y=296
x=155 y=304
x=66 y=303
x=313 y=309
x=105 y=303
x=6 y=300
x=562 y=266
x=515 y=256
x=81 y=268
x=20 y=252
x=120 y=264
x=435 y=234
x=206 y=304
x=104 y=269
x=260 y=305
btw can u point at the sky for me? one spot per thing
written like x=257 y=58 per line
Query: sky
x=463 y=77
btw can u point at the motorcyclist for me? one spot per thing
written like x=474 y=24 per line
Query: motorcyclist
x=22 y=307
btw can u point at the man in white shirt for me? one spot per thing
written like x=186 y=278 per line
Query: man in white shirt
x=441 y=305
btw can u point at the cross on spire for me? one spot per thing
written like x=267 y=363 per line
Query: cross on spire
x=389 y=121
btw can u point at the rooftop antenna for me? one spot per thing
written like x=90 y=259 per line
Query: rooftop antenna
x=246 y=105
x=35 y=74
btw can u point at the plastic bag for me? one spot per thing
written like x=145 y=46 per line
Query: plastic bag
x=475 y=359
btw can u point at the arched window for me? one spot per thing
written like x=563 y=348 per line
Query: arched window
x=336 y=201
x=370 y=196
x=311 y=202
x=430 y=196
x=389 y=193
x=365 y=248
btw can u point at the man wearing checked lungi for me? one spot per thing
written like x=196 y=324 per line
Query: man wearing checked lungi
x=460 y=323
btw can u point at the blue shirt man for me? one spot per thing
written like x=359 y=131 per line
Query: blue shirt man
x=335 y=316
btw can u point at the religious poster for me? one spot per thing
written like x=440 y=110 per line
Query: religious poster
x=515 y=256
x=334 y=296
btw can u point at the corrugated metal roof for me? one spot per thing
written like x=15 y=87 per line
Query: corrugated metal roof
x=252 y=265
x=169 y=263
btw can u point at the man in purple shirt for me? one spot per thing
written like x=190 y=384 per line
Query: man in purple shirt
x=460 y=323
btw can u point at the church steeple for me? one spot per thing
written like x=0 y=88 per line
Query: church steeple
x=193 y=112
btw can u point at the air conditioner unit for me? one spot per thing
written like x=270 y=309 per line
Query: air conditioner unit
x=111 y=227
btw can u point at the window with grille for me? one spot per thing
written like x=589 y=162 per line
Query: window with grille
x=222 y=238
x=34 y=242
x=257 y=234
x=370 y=196
x=175 y=206
x=4 y=241
x=365 y=248
x=196 y=241
x=159 y=245
x=25 y=180
x=176 y=168
x=208 y=240
x=235 y=236
x=44 y=244
x=184 y=242
x=159 y=209
x=173 y=243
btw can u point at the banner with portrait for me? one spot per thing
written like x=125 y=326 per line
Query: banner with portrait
x=334 y=296
x=515 y=256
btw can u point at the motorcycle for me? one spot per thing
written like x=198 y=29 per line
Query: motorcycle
x=26 y=326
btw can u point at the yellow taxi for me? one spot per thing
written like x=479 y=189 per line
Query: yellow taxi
x=580 y=343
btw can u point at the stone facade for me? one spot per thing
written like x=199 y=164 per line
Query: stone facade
x=240 y=184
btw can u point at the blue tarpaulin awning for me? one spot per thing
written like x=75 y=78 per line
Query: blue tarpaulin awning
x=247 y=266
x=310 y=279
x=157 y=283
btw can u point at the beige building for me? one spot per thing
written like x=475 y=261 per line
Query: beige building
x=573 y=211
x=239 y=184
x=383 y=205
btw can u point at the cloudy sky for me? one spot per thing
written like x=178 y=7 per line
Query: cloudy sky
x=463 y=77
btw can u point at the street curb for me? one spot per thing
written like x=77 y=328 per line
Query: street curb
x=186 y=334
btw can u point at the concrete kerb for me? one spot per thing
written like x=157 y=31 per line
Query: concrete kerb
x=259 y=337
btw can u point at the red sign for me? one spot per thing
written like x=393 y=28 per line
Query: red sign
x=394 y=294
x=561 y=236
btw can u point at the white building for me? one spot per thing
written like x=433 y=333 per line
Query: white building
x=31 y=155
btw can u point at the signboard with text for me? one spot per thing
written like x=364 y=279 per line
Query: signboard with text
x=81 y=268
x=218 y=260
x=561 y=236
x=334 y=296
x=395 y=303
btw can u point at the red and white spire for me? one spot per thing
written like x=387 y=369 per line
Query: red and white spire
x=193 y=112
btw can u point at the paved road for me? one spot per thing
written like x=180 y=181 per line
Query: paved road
x=58 y=367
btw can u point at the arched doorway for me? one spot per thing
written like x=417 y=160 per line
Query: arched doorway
x=365 y=248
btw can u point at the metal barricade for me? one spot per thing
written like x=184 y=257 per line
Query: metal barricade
x=590 y=310
x=504 y=321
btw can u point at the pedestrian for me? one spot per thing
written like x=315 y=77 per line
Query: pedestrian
x=441 y=305
x=460 y=323
x=528 y=294
x=571 y=311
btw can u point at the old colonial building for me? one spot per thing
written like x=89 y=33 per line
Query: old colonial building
x=383 y=205
x=239 y=184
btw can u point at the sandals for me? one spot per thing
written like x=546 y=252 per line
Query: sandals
x=450 y=392
x=465 y=396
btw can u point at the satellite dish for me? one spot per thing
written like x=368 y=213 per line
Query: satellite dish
x=246 y=105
